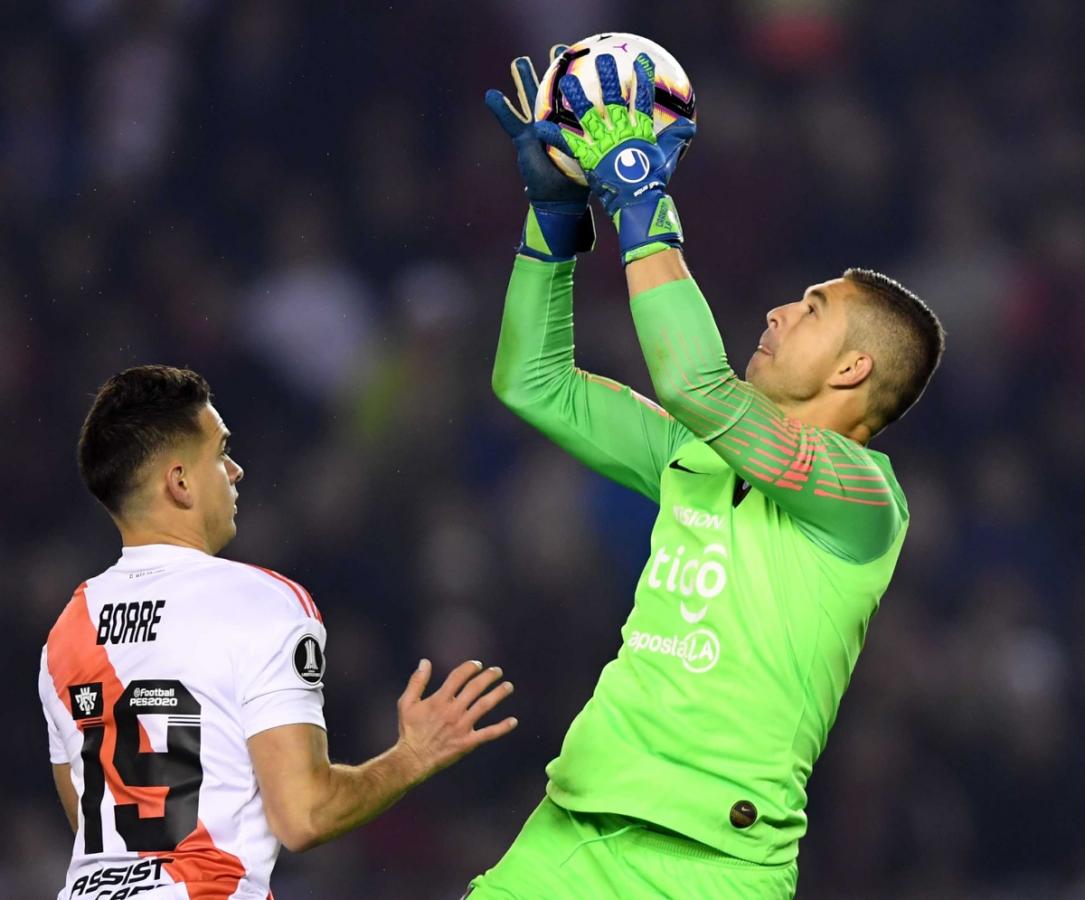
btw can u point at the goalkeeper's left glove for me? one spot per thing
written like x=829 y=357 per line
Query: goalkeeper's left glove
x=559 y=222
x=626 y=165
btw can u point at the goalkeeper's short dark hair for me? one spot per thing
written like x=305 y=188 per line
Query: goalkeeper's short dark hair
x=136 y=413
x=904 y=337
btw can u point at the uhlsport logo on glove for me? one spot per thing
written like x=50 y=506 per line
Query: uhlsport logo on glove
x=631 y=165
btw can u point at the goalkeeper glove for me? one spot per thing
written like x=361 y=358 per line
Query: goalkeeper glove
x=626 y=165
x=559 y=223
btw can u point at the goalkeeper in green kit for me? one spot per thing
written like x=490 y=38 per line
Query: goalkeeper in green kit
x=685 y=774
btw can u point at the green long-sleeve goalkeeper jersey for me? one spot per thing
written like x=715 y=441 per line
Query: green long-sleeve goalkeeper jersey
x=753 y=606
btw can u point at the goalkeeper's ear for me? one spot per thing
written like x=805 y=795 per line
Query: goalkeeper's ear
x=556 y=51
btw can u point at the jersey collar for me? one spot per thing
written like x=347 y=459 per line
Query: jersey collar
x=148 y=555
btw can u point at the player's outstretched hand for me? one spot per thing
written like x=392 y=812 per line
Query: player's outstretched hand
x=559 y=222
x=440 y=729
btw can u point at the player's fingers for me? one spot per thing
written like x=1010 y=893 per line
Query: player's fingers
x=574 y=94
x=416 y=684
x=458 y=677
x=674 y=139
x=550 y=133
x=647 y=63
x=493 y=732
x=557 y=50
x=527 y=84
x=477 y=685
x=507 y=116
x=487 y=702
x=645 y=97
x=609 y=80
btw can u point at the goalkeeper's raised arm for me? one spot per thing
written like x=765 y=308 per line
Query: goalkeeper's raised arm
x=606 y=425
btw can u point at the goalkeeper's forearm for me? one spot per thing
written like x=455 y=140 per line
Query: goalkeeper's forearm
x=651 y=271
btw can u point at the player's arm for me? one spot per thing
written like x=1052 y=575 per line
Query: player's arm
x=606 y=425
x=309 y=800
x=69 y=799
x=826 y=482
x=58 y=754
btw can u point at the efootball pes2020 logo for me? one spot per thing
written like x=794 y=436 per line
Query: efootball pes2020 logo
x=309 y=660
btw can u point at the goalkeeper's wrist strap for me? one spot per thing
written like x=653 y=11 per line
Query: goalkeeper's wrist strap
x=556 y=232
x=648 y=227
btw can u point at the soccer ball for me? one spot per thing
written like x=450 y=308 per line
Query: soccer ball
x=674 y=93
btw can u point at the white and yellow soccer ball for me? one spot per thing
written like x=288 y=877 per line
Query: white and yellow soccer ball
x=674 y=92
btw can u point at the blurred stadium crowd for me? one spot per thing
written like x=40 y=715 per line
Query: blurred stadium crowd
x=309 y=204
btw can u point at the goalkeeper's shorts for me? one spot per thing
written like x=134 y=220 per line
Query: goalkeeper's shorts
x=565 y=855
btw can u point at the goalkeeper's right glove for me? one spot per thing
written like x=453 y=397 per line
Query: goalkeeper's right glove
x=559 y=221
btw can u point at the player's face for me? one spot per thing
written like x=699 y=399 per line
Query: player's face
x=799 y=348
x=214 y=480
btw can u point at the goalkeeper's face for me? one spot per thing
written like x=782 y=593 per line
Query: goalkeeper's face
x=800 y=349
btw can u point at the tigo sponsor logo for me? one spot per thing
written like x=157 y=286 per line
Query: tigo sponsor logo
x=705 y=578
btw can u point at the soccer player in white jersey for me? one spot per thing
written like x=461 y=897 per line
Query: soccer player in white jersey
x=183 y=693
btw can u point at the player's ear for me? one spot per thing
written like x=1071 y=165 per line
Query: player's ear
x=852 y=369
x=178 y=485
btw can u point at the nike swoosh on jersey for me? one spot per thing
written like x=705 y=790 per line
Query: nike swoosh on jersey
x=676 y=464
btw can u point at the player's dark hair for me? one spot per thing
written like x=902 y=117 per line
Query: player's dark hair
x=905 y=338
x=135 y=414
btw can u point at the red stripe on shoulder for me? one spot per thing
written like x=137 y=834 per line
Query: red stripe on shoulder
x=303 y=595
x=312 y=602
x=298 y=586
